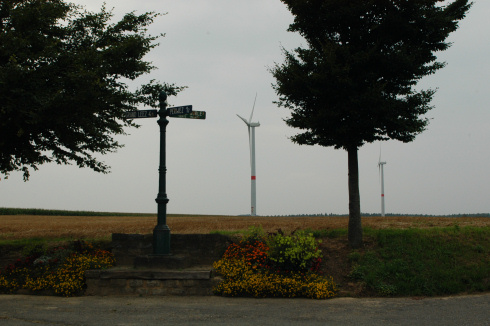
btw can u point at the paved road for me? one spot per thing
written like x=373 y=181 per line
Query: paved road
x=19 y=310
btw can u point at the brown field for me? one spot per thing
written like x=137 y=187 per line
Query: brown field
x=91 y=227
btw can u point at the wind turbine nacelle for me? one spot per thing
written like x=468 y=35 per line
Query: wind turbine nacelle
x=249 y=123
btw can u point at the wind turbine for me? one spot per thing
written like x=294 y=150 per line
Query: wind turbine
x=251 y=139
x=380 y=167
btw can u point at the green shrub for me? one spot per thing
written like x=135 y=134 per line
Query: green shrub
x=294 y=253
x=254 y=234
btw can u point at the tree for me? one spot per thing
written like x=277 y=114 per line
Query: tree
x=62 y=82
x=354 y=83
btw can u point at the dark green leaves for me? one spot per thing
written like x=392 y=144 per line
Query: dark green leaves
x=355 y=81
x=62 y=93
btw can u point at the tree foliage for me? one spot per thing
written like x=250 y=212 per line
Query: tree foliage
x=63 y=82
x=355 y=81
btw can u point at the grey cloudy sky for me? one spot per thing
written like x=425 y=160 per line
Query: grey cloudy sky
x=221 y=50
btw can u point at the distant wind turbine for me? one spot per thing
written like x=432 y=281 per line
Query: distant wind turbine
x=380 y=167
x=251 y=140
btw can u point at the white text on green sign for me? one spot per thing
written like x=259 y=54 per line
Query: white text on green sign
x=140 y=114
x=179 y=110
x=192 y=115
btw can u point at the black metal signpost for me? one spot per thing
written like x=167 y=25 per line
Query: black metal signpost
x=161 y=232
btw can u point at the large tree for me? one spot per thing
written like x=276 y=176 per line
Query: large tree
x=355 y=81
x=63 y=82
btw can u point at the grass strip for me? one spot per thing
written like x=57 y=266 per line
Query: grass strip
x=424 y=262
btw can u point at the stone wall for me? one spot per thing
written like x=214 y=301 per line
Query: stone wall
x=186 y=271
x=196 y=249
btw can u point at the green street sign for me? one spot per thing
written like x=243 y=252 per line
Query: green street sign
x=179 y=110
x=192 y=115
x=140 y=114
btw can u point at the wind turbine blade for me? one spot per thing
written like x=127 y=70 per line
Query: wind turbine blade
x=244 y=120
x=253 y=108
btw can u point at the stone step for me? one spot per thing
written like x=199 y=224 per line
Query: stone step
x=150 y=282
x=167 y=262
x=186 y=271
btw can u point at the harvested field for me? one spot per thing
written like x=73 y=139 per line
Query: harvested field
x=81 y=227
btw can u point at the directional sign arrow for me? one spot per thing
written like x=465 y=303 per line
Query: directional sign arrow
x=140 y=114
x=179 y=110
x=192 y=115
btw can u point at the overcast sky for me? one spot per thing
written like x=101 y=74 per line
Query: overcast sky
x=222 y=50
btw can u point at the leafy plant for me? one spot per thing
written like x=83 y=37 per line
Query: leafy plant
x=254 y=234
x=297 y=252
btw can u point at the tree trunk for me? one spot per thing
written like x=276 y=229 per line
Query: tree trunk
x=355 y=227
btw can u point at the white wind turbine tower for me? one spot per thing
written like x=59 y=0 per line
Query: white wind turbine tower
x=251 y=138
x=380 y=167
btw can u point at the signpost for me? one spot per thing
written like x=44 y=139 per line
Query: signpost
x=161 y=232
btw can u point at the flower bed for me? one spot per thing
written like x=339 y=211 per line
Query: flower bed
x=274 y=266
x=60 y=270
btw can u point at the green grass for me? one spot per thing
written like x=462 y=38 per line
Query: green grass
x=425 y=262
x=330 y=233
x=228 y=233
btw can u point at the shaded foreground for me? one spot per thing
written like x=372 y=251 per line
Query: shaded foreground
x=109 y=311
x=14 y=227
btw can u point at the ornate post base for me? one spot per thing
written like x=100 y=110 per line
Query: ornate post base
x=161 y=240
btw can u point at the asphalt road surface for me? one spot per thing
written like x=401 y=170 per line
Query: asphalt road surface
x=19 y=310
